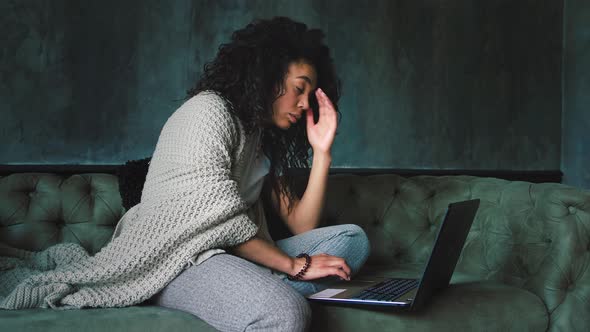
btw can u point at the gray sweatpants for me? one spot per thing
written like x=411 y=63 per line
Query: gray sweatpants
x=234 y=294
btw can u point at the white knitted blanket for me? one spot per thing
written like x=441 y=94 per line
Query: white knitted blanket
x=190 y=203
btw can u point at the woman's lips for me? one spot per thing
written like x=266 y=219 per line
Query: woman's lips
x=292 y=118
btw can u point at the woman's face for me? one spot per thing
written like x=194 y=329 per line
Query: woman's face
x=300 y=82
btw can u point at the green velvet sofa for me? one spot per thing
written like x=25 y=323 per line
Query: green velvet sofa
x=525 y=265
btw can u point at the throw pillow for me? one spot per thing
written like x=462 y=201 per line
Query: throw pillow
x=131 y=176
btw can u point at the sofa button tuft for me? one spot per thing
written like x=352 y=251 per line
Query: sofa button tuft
x=571 y=209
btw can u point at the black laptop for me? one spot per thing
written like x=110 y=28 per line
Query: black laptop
x=411 y=293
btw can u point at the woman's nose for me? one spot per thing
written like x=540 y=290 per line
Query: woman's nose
x=303 y=103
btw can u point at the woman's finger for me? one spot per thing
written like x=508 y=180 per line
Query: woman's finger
x=340 y=273
x=322 y=102
x=341 y=264
x=334 y=261
x=319 y=96
x=347 y=269
x=326 y=100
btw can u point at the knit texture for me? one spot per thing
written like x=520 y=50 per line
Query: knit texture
x=190 y=203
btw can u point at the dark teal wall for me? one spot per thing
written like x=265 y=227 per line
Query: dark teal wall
x=576 y=87
x=426 y=84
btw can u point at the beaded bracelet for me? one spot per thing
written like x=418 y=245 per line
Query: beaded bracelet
x=304 y=269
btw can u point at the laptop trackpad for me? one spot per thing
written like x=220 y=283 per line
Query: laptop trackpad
x=344 y=290
x=327 y=293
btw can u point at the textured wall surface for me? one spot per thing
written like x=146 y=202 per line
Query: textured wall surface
x=426 y=84
x=576 y=85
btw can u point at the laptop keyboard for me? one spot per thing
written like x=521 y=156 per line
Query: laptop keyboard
x=387 y=290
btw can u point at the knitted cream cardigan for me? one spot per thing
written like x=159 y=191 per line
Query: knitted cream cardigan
x=190 y=203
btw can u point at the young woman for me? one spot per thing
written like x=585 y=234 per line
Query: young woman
x=274 y=85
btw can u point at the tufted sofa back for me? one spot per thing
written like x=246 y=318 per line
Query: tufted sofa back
x=38 y=210
x=534 y=236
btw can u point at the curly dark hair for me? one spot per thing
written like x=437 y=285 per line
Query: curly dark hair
x=246 y=72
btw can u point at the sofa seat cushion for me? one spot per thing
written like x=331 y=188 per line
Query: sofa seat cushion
x=141 y=318
x=464 y=306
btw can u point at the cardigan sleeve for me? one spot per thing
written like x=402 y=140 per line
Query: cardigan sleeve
x=190 y=171
x=190 y=203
